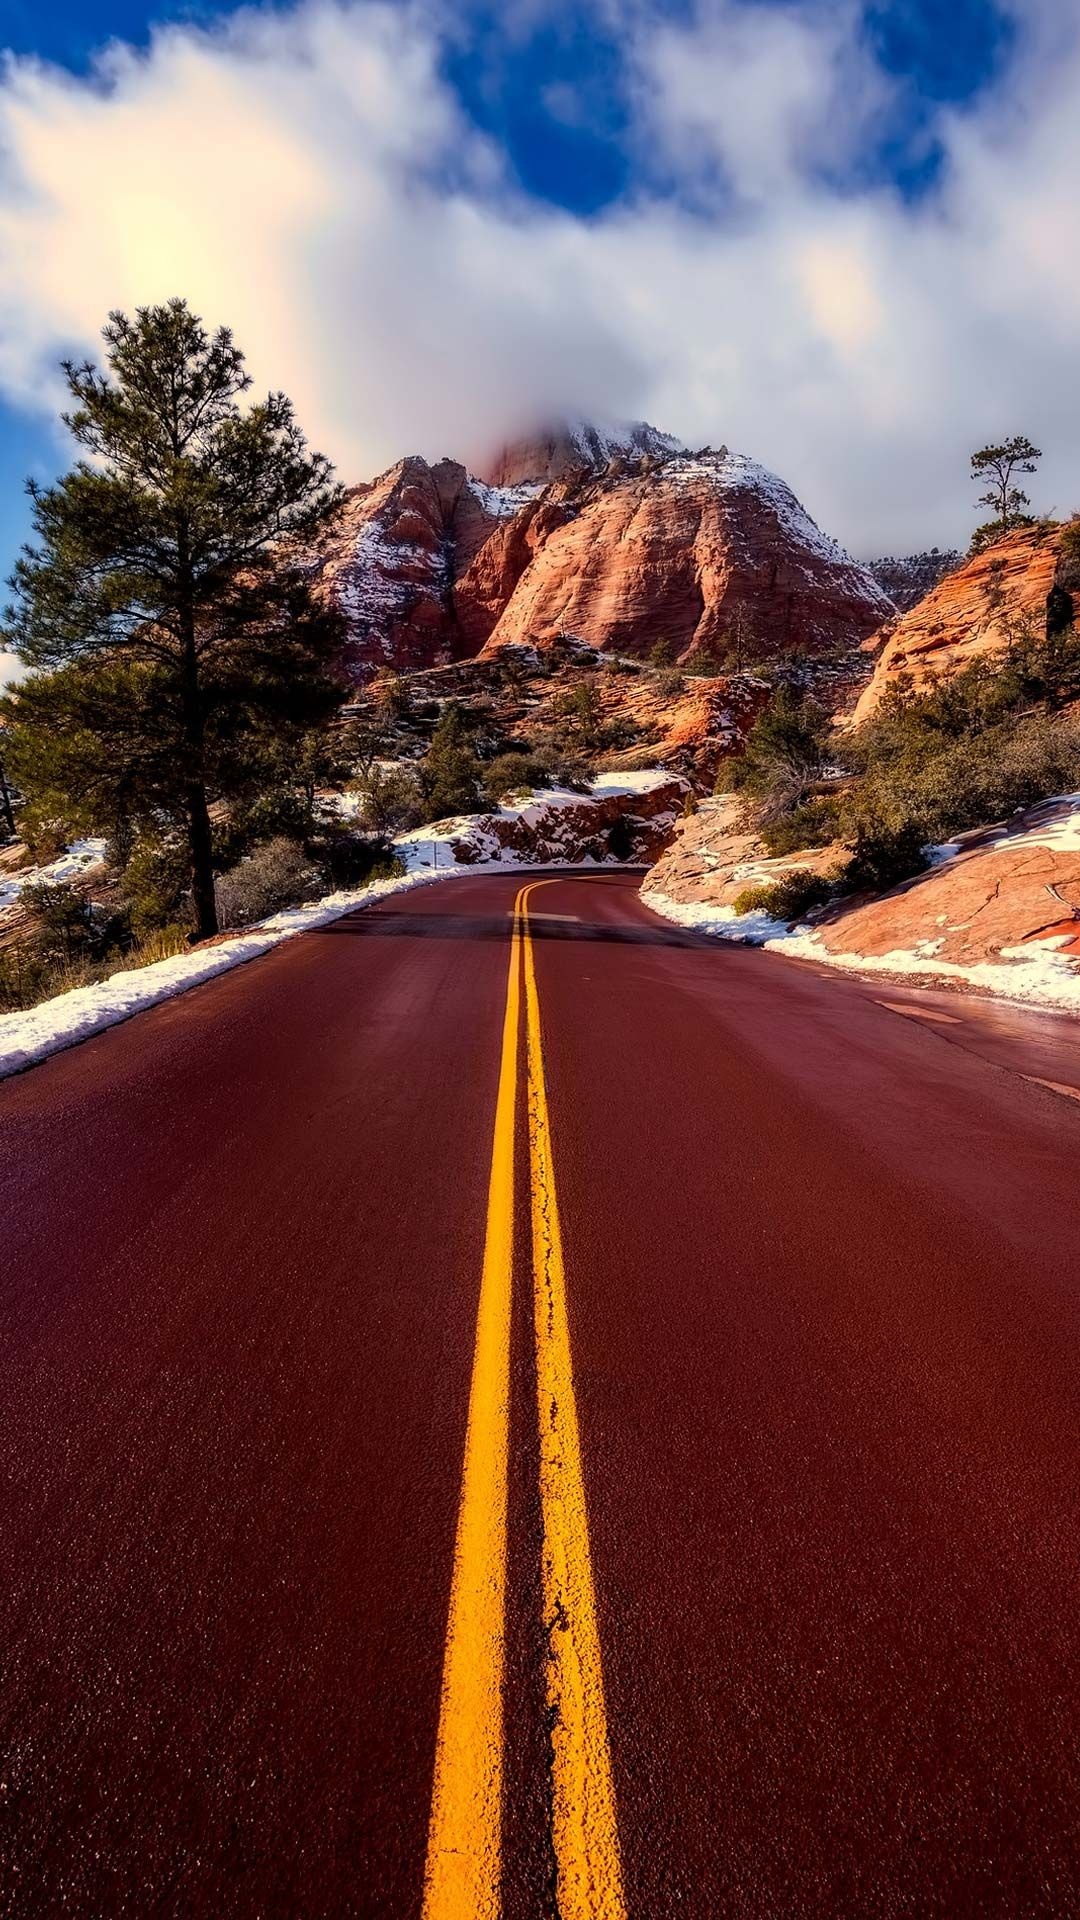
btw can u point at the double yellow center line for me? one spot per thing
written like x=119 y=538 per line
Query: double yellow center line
x=464 y=1858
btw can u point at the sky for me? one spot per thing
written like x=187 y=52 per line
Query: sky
x=838 y=236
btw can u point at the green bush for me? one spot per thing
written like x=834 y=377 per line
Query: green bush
x=514 y=773
x=813 y=824
x=787 y=898
x=156 y=883
x=450 y=774
x=390 y=798
x=347 y=860
x=784 y=753
x=669 y=683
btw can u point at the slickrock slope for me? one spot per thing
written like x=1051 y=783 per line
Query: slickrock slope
x=970 y=612
x=1009 y=885
x=711 y=858
x=676 y=554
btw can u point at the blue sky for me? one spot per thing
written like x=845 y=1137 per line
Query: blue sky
x=590 y=131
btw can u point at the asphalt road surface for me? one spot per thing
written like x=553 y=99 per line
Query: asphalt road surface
x=509 y=1409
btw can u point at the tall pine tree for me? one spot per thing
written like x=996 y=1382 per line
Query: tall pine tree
x=183 y=641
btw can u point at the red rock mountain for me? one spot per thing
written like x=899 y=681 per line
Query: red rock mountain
x=972 y=611
x=621 y=540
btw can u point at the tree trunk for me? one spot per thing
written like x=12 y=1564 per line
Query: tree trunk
x=200 y=841
x=7 y=812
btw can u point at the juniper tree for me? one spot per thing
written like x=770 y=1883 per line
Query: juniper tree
x=184 y=641
x=997 y=466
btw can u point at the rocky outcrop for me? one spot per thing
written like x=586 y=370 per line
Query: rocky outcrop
x=703 y=553
x=629 y=823
x=1007 y=886
x=972 y=611
x=712 y=858
x=573 y=446
x=908 y=578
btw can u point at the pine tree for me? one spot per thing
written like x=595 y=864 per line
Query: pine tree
x=185 y=643
x=450 y=776
x=997 y=465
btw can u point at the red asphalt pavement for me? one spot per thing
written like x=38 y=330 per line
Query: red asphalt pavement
x=823 y=1286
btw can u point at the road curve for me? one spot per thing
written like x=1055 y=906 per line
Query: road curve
x=765 y=1565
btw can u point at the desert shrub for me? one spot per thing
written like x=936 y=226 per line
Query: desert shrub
x=783 y=755
x=390 y=799
x=276 y=875
x=514 y=773
x=669 y=683
x=812 y=824
x=568 y=767
x=1068 y=567
x=787 y=898
x=347 y=860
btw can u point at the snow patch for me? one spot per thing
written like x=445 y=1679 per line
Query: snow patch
x=68 y=866
x=503 y=502
x=1036 y=973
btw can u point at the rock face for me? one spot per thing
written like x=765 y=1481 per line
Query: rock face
x=575 y=446
x=909 y=578
x=631 y=822
x=711 y=858
x=972 y=611
x=391 y=558
x=623 y=542
x=681 y=555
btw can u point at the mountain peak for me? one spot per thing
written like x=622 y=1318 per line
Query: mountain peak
x=569 y=445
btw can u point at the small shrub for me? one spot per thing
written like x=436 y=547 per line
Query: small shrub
x=276 y=875
x=514 y=773
x=390 y=799
x=348 y=860
x=669 y=683
x=813 y=824
x=787 y=898
x=156 y=884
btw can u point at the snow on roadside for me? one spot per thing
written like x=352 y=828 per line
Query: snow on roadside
x=33 y=1035
x=1036 y=973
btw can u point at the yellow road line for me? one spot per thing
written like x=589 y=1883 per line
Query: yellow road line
x=462 y=1874
x=584 y=1830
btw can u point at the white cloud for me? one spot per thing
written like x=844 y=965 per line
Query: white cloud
x=309 y=177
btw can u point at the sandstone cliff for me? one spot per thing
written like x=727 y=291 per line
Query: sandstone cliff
x=972 y=611
x=698 y=553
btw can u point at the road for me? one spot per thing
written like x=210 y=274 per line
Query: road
x=532 y=1413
